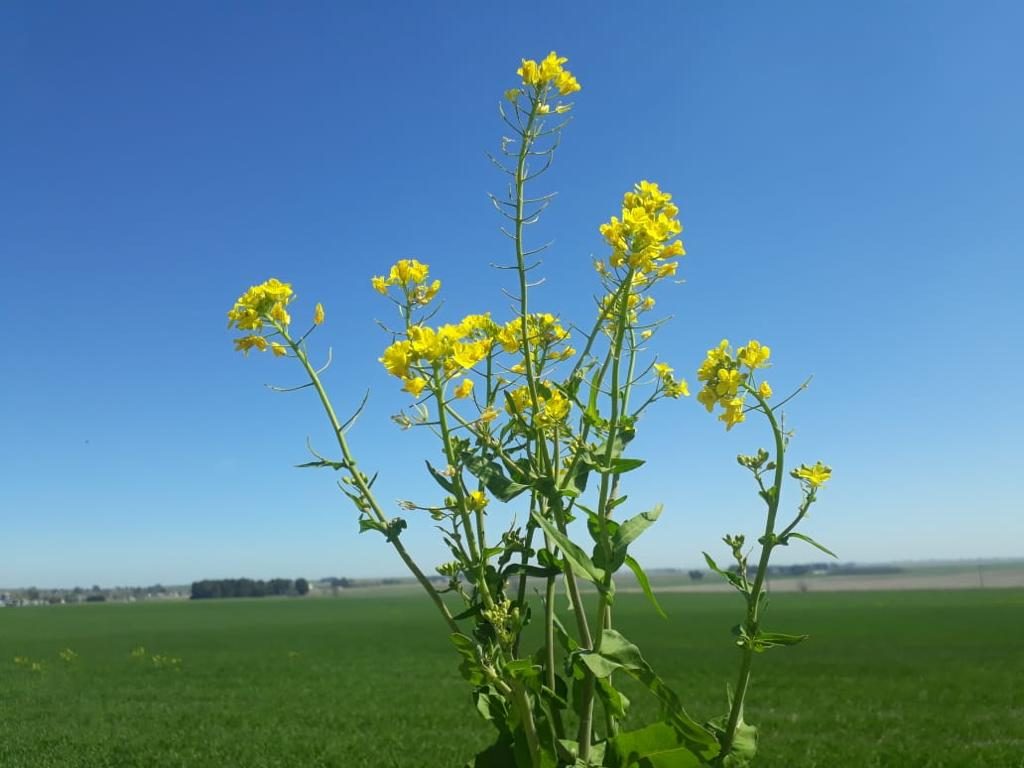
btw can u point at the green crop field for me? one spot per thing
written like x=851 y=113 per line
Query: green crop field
x=896 y=679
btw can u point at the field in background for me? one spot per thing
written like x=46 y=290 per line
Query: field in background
x=901 y=679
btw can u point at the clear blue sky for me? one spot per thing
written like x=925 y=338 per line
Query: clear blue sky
x=850 y=178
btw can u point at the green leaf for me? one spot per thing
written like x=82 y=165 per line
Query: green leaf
x=498 y=755
x=614 y=700
x=441 y=480
x=812 y=542
x=491 y=475
x=621 y=466
x=335 y=465
x=772 y=639
x=579 y=561
x=368 y=524
x=645 y=584
x=659 y=745
x=632 y=528
x=730 y=576
x=536 y=571
x=522 y=669
x=616 y=652
x=470 y=667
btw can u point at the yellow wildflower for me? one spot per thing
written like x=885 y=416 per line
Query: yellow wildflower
x=815 y=476
x=476 y=501
x=464 y=389
x=247 y=343
x=380 y=284
x=707 y=398
x=728 y=382
x=733 y=413
x=278 y=349
x=754 y=355
x=396 y=358
x=488 y=414
x=764 y=390
x=549 y=70
x=414 y=385
x=318 y=314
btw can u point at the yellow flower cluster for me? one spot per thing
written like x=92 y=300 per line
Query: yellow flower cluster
x=447 y=349
x=552 y=409
x=260 y=302
x=543 y=331
x=411 y=277
x=549 y=71
x=671 y=386
x=261 y=306
x=727 y=376
x=641 y=239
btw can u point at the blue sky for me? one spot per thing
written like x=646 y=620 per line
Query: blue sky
x=850 y=183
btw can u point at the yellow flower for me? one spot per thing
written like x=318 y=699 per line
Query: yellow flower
x=549 y=70
x=728 y=382
x=476 y=501
x=464 y=389
x=318 y=314
x=764 y=390
x=707 y=398
x=258 y=302
x=663 y=370
x=512 y=94
x=488 y=414
x=414 y=385
x=247 y=343
x=406 y=271
x=280 y=314
x=396 y=358
x=645 y=335
x=518 y=401
x=676 y=389
x=815 y=476
x=733 y=413
x=278 y=349
x=754 y=355
x=641 y=238
x=380 y=284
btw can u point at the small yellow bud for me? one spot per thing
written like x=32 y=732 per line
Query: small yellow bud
x=318 y=314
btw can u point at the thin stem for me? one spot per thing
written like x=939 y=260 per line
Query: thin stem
x=364 y=489
x=754 y=596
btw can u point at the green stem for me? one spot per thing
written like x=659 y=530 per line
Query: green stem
x=753 y=619
x=361 y=484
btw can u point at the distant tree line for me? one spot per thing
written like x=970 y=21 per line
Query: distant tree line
x=208 y=589
x=836 y=569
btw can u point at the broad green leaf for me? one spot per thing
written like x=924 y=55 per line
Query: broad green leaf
x=812 y=542
x=579 y=561
x=645 y=584
x=493 y=477
x=522 y=669
x=617 y=652
x=499 y=755
x=629 y=530
x=621 y=466
x=470 y=666
x=614 y=700
x=658 y=745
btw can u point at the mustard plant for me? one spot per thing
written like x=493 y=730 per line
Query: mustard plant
x=534 y=416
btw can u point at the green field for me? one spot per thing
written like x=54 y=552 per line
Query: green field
x=896 y=679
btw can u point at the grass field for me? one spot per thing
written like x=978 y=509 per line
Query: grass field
x=899 y=679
